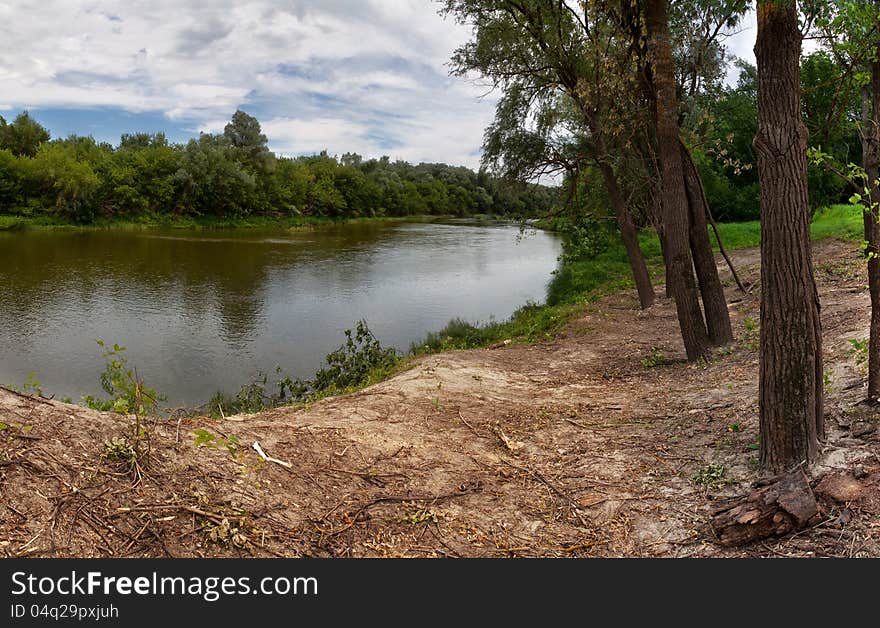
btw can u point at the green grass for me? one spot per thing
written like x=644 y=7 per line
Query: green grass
x=839 y=221
x=164 y=221
x=581 y=281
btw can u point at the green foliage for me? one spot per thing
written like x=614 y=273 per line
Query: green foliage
x=259 y=395
x=33 y=385
x=828 y=381
x=655 y=358
x=859 y=352
x=234 y=175
x=206 y=438
x=128 y=394
x=359 y=361
x=457 y=334
x=751 y=334
x=118 y=449
x=70 y=186
x=23 y=136
x=351 y=364
x=710 y=476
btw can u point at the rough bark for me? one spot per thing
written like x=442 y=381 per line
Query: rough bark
x=790 y=379
x=676 y=221
x=628 y=231
x=871 y=164
x=711 y=290
x=777 y=507
x=656 y=216
x=630 y=235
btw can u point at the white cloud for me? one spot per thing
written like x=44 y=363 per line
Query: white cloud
x=369 y=71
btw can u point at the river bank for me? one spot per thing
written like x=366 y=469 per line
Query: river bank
x=600 y=442
x=578 y=280
x=166 y=221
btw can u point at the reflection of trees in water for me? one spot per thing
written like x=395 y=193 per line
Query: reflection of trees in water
x=225 y=277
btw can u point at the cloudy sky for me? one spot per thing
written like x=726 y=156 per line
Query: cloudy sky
x=367 y=76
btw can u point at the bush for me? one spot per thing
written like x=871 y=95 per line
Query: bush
x=352 y=363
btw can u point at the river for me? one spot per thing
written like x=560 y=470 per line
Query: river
x=202 y=311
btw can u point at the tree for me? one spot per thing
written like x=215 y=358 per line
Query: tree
x=549 y=60
x=871 y=165
x=852 y=34
x=246 y=135
x=791 y=376
x=24 y=136
x=676 y=220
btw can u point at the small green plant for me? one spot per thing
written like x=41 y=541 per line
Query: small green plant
x=209 y=439
x=33 y=385
x=422 y=515
x=712 y=475
x=735 y=427
x=828 y=380
x=128 y=394
x=16 y=426
x=655 y=358
x=360 y=361
x=119 y=449
x=859 y=351
x=751 y=334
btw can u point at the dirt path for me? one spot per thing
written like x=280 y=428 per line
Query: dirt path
x=585 y=446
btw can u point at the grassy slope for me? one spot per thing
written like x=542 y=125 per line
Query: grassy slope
x=584 y=280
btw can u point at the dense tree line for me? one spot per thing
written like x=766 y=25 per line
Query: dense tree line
x=234 y=174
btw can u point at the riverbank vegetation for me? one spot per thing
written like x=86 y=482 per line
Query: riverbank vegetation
x=230 y=180
x=588 y=272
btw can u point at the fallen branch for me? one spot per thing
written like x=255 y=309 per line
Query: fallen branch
x=267 y=458
x=511 y=446
x=536 y=475
x=44 y=400
x=431 y=499
x=470 y=427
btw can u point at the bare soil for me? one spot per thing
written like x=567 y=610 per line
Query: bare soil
x=603 y=442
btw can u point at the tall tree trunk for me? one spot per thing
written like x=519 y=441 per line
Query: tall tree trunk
x=714 y=302
x=630 y=236
x=790 y=380
x=674 y=196
x=625 y=222
x=871 y=163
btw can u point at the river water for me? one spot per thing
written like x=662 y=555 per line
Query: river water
x=202 y=311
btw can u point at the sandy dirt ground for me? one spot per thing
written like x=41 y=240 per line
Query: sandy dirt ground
x=602 y=442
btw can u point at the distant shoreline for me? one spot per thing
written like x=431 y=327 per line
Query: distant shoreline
x=125 y=223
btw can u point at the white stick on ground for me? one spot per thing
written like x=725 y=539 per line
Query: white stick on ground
x=267 y=458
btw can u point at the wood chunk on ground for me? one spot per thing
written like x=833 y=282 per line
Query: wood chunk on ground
x=780 y=506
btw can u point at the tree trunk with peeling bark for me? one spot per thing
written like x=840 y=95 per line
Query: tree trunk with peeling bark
x=791 y=376
x=676 y=221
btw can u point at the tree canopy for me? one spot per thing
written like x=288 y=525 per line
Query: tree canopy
x=234 y=174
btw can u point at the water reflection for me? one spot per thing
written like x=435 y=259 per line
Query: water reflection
x=204 y=311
